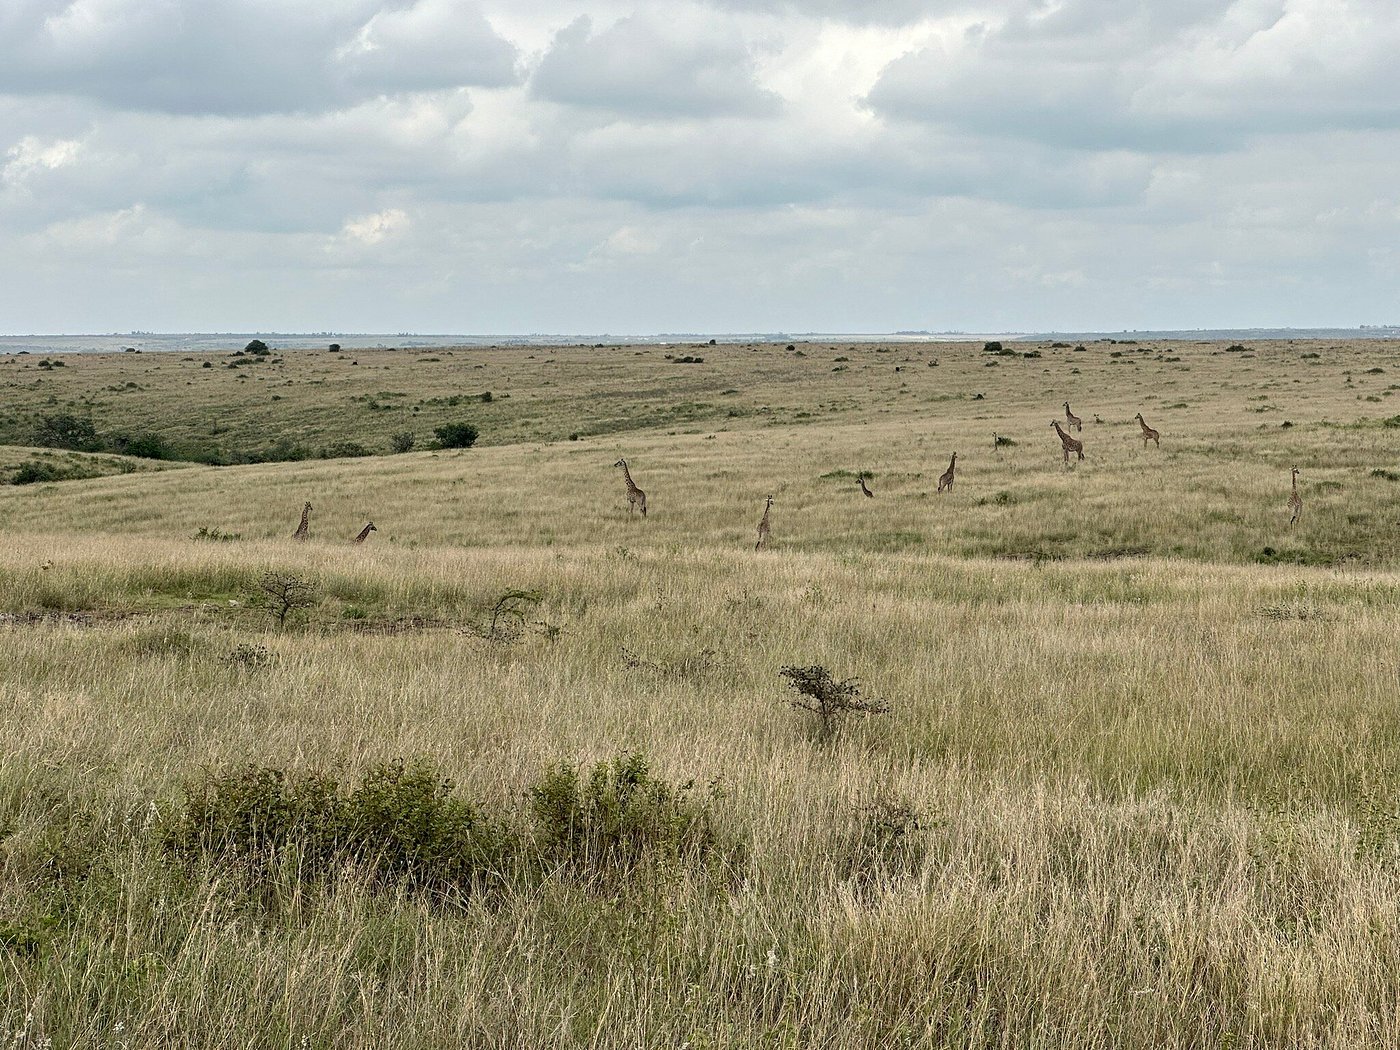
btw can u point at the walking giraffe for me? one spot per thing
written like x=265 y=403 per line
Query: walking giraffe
x=1295 y=501
x=305 y=525
x=635 y=496
x=1072 y=421
x=763 y=529
x=364 y=533
x=1148 y=434
x=1070 y=444
x=864 y=487
x=946 y=481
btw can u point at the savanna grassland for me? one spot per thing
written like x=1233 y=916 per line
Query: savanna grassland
x=1138 y=783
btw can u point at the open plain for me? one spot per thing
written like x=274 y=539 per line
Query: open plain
x=1138 y=783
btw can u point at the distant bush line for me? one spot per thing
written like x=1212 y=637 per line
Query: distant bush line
x=80 y=434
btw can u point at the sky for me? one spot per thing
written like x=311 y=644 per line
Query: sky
x=526 y=166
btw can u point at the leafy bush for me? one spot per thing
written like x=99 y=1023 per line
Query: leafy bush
x=403 y=825
x=67 y=431
x=621 y=816
x=345 y=450
x=992 y=347
x=829 y=698
x=334 y=348
x=33 y=472
x=146 y=445
x=258 y=347
x=403 y=441
x=455 y=435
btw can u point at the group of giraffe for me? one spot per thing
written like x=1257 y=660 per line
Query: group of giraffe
x=1070 y=444
x=304 y=529
x=637 y=499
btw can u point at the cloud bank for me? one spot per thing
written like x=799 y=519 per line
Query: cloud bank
x=545 y=165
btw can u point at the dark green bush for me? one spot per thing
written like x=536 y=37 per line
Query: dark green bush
x=146 y=446
x=403 y=826
x=257 y=346
x=67 y=431
x=33 y=472
x=622 y=816
x=345 y=450
x=403 y=441
x=455 y=435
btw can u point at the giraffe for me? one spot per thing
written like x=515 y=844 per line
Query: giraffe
x=864 y=487
x=946 y=481
x=763 y=529
x=1148 y=434
x=1072 y=421
x=1295 y=501
x=305 y=525
x=1070 y=444
x=364 y=533
x=635 y=496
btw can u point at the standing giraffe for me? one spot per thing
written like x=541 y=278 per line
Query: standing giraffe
x=364 y=533
x=635 y=496
x=1070 y=444
x=864 y=487
x=305 y=525
x=1148 y=434
x=1072 y=421
x=763 y=529
x=946 y=481
x=1295 y=501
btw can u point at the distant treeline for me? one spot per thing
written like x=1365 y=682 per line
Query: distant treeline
x=80 y=434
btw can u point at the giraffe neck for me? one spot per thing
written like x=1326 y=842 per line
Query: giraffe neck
x=763 y=523
x=627 y=477
x=363 y=533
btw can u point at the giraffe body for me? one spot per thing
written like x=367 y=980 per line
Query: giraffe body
x=364 y=533
x=635 y=497
x=1072 y=421
x=763 y=527
x=1069 y=444
x=946 y=480
x=1295 y=501
x=303 y=530
x=1148 y=434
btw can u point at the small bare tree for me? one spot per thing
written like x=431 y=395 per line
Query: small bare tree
x=284 y=595
x=829 y=698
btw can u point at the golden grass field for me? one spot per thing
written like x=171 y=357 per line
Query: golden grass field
x=1138 y=786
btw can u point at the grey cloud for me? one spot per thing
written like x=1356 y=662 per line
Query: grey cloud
x=241 y=56
x=1198 y=76
x=645 y=68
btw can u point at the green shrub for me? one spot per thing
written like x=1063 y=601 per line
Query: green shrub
x=345 y=450
x=146 y=446
x=455 y=435
x=33 y=472
x=828 y=698
x=67 y=431
x=258 y=347
x=403 y=441
x=403 y=826
x=621 y=816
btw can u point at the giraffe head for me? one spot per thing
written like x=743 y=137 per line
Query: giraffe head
x=1066 y=406
x=621 y=463
x=770 y=501
x=307 y=508
x=370 y=527
x=1139 y=418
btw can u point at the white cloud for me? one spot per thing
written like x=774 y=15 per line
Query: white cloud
x=371 y=229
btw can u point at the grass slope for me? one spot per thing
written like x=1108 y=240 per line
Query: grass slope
x=1137 y=786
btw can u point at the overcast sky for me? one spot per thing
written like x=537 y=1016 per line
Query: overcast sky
x=725 y=165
